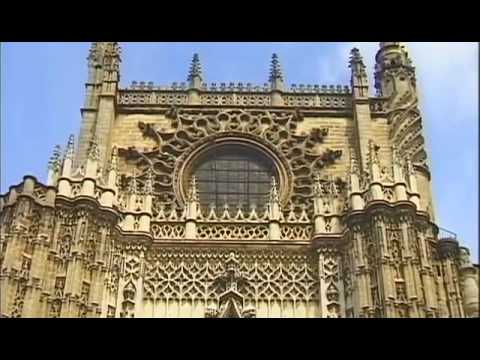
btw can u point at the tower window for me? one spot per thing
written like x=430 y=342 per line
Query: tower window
x=235 y=175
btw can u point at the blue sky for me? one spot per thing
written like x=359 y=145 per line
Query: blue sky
x=42 y=90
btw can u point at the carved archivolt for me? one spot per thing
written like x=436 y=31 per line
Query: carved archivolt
x=296 y=156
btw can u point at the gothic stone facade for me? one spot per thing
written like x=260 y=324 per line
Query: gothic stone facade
x=236 y=201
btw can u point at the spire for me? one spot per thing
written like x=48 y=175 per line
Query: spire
x=68 y=157
x=70 y=147
x=55 y=162
x=359 y=79
x=195 y=73
x=54 y=166
x=276 y=76
x=356 y=62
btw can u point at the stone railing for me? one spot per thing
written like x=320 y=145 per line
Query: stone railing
x=230 y=225
x=242 y=87
x=319 y=89
x=153 y=97
x=144 y=94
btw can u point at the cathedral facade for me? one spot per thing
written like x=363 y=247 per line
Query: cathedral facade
x=234 y=200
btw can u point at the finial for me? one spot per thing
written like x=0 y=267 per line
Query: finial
x=317 y=186
x=113 y=164
x=133 y=186
x=276 y=76
x=112 y=50
x=149 y=182
x=55 y=163
x=93 y=152
x=192 y=191
x=93 y=55
x=353 y=162
x=358 y=80
x=395 y=157
x=195 y=72
x=356 y=62
x=70 y=147
x=226 y=213
x=373 y=152
x=273 y=191
x=275 y=69
x=409 y=165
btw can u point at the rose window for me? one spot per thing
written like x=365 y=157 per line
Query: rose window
x=234 y=175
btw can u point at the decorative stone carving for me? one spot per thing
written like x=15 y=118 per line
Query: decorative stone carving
x=275 y=130
x=188 y=275
x=138 y=243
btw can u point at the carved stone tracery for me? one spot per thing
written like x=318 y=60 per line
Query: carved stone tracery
x=296 y=155
x=191 y=275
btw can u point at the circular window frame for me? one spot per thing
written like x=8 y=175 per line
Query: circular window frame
x=188 y=162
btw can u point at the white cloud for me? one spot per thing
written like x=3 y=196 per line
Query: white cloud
x=452 y=69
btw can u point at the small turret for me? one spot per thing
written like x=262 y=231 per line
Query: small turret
x=394 y=74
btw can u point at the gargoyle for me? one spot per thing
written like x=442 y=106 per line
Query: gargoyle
x=298 y=115
x=147 y=129
x=171 y=113
x=329 y=156
x=129 y=153
x=319 y=134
